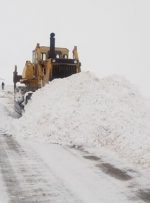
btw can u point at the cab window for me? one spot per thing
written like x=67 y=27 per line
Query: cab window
x=43 y=56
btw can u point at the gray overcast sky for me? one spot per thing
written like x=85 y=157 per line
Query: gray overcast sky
x=113 y=36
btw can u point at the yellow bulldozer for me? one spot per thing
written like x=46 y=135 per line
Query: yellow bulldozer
x=48 y=63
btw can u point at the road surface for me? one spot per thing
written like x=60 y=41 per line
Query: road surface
x=37 y=172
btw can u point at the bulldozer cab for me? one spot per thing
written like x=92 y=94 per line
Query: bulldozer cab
x=41 y=53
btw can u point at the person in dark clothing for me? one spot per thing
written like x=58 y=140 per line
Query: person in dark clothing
x=3 y=84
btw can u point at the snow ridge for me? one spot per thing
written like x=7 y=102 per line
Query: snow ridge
x=85 y=110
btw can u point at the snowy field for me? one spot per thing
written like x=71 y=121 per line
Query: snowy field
x=80 y=139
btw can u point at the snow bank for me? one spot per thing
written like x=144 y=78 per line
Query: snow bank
x=83 y=109
x=5 y=119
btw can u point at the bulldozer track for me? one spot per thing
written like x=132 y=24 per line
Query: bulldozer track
x=27 y=178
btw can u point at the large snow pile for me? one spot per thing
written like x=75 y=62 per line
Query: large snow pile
x=83 y=109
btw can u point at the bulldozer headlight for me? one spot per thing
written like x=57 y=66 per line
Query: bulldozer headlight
x=75 y=61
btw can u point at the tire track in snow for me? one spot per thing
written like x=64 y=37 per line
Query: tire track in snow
x=139 y=193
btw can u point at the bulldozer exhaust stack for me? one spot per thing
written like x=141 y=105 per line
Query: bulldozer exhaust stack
x=52 y=53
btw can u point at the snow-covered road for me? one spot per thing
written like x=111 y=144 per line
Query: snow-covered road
x=37 y=172
x=34 y=172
